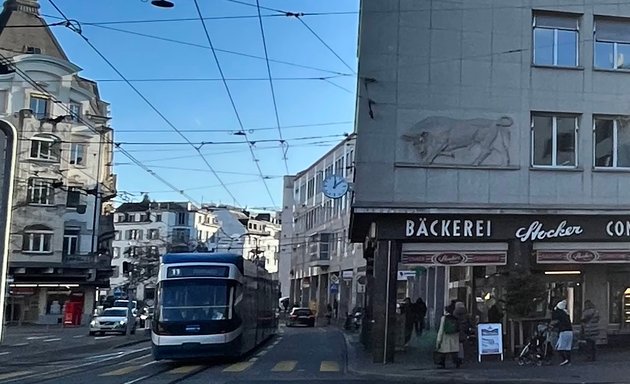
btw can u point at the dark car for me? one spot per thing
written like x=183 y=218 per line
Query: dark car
x=301 y=316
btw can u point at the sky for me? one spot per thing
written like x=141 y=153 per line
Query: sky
x=315 y=105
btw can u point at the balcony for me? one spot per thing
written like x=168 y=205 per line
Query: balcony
x=319 y=250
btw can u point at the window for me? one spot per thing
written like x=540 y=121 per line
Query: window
x=39 y=106
x=37 y=239
x=158 y=217
x=75 y=111
x=181 y=218
x=116 y=251
x=134 y=234
x=612 y=44
x=40 y=191
x=45 y=148
x=556 y=40
x=612 y=142
x=311 y=188
x=181 y=235
x=74 y=197
x=153 y=234
x=33 y=50
x=117 y=235
x=554 y=140
x=77 y=154
x=71 y=241
x=199 y=235
x=319 y=182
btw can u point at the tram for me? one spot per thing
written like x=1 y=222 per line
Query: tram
x=211 y=305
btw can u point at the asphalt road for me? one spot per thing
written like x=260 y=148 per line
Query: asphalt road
x=296 y=355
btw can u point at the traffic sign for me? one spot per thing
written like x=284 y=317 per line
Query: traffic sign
x=118 y=292
x=334 y=279
x=334 y=288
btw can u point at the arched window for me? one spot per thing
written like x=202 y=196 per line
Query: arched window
x=37 y=239
x=45 y=147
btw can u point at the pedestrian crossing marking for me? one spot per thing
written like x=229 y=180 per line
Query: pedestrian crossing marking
x=284 y=366
x=238 y=367
x=10 y=375
x=329 y=366
x=184 y=369
x=122 y=371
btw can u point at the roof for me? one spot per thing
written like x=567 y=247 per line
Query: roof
x=144 y=206
x=198 y=257
x=14 y=41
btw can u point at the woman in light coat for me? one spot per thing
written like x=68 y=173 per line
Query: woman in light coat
x=447 y=343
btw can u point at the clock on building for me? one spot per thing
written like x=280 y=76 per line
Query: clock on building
x=335 y=186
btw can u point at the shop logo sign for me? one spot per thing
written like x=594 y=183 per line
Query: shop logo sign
x=449 y=258
x=448 y=228
x=535 y=231
x=582 y=256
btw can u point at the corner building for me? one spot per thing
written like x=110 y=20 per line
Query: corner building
x=493 y=137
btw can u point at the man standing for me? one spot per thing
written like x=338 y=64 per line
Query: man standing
x=590 y=328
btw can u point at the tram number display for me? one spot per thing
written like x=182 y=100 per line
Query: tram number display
x=197 y=271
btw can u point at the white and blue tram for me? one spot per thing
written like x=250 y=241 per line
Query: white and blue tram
x=211 y=305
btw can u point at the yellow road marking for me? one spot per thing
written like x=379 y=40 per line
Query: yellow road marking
x=284 y=366
x=238 y=367
x=329 y=366
x=122 y=371
x=10 y=375
x=184 y=369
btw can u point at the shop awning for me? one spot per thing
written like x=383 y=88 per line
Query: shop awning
x=582 y=253
x=454 y=254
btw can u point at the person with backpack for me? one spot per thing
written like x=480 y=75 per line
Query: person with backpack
x=447 y=342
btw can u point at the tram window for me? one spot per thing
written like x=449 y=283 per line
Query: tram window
x=186 y=300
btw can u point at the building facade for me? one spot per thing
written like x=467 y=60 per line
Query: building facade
x=61 y=229
x=325 y=268
x=497 y=135
x=255 y=236
x=147 y=230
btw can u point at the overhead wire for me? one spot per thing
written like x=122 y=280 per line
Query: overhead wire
x=147 y=101
x=272 y=88
x=227 y=51
x=232 y=102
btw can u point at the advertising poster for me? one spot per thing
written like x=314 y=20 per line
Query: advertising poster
x=490 y=339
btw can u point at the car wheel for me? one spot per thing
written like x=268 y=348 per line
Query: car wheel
x=91 y=333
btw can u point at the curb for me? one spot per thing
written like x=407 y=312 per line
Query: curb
x=441 y=376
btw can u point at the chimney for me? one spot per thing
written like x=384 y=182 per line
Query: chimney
x=26 y=6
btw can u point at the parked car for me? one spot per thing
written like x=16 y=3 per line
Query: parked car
x=112 y=320
x=302 y=316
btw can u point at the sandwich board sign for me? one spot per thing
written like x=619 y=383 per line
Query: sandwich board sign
x=489 y=339
x=8 y=150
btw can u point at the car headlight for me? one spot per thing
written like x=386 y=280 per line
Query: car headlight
x=93 y=323
x=122 y=322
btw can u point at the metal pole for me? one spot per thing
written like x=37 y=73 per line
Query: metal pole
x=389 y=264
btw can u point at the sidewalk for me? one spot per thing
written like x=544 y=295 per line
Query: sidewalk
x=417 y=363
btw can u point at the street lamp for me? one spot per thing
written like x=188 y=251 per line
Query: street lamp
x=163 y=3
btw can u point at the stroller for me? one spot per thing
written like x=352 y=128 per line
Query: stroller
x=539 y=349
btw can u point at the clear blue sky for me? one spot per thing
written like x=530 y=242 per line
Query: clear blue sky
x=204 y=105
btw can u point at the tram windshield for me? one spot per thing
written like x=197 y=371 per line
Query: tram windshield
x=194 y=300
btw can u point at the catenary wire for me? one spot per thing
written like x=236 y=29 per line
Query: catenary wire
x=221 y=50
x=232 y=102
x=147 y=101
x=271 y=86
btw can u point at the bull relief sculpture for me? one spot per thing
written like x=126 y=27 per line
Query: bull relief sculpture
x=449 y=141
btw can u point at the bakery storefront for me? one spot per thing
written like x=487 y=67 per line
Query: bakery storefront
x=468 y=257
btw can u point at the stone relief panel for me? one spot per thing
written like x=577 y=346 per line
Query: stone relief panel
x=438 y=140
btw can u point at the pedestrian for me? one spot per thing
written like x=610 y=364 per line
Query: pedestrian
x=495 y=314
x=329 y=311
x=420 y=309
x=336 y=308
x=447 y=342
x=464 y=326
x=406 y=309
x=590 y=328
x=565 y=337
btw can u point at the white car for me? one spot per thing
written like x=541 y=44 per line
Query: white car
x=112 y=320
